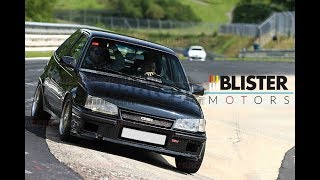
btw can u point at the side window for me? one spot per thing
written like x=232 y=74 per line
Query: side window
x=178 y=75
x=65 y=46
x=77 y=48
x=165 y=71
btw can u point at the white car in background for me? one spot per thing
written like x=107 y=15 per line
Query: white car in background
x=196 y=53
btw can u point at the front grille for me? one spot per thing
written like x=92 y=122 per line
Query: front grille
x=146 y=119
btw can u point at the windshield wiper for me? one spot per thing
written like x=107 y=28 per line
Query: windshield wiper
x=173 y=87
x=117 y=72
x=158 y=83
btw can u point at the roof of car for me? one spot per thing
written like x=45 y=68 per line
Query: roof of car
x=196 y=47
x=125 y=38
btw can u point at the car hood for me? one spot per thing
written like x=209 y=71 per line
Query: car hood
x=141 y=96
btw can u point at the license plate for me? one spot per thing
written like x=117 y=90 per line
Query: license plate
x=143 y=136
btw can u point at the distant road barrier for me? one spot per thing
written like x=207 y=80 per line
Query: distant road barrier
x=38 y=40
x=42 y=42
x=53 y=28
x=267 y=53
x=49 y=36
x=41 y=36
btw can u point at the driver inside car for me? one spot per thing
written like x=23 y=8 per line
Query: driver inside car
x=149 y=65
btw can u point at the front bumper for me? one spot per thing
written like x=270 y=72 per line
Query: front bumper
x=196 y=58
x=90 y=125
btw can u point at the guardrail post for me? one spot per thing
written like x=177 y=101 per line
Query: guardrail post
x=70 y=12
x=85 y=17
x=111 y=22
x=138 y=23
x=292 y=24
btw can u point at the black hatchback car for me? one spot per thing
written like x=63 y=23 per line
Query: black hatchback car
x=103 y=85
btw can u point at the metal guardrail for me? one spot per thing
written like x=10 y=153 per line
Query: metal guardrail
x=282 y=23
x=240 y=29
x=103 y=18
x=53 y=28
x=267 y=54
x=49 y=36
x=41 y=36
x=50 y=40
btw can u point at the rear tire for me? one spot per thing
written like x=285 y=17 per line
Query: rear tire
x=38 y=115
x=189 y=166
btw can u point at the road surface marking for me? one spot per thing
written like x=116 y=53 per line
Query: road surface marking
x=25 y=153
x=32 y=83
x=38 y=167
x=27 y=172
x=28 y=100
x=294 y=159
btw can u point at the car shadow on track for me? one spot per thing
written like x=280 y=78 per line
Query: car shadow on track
x=37 y=129
x=151 y=158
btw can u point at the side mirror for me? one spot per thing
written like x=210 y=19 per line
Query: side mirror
x=68 y=61
x=197 y=89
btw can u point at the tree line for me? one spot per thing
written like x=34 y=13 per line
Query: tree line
x=42 y=10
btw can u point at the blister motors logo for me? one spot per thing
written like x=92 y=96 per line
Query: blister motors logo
x=249 y=90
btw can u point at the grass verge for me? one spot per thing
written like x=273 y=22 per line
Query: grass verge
x=227 y=45
x=30 y=54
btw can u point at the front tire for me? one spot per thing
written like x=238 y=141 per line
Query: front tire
x=38 y=115
x=189 y=166
x=65 y=121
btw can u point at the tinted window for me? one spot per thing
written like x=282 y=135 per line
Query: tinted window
x=66 y=45
x=77 y=48
x=178 y=78
x=136 y=61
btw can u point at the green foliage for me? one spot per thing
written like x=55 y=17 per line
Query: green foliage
x=39 y=10
x=251 y=13
x=155 y=9
x=216 y=11
x=175 y=10
x=215 y=34
x=287 y=5
x=255 y=11
x=227 y=45
x=82 y=4
x=129 y=8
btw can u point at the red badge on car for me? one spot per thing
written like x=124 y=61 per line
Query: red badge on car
x=95 y=44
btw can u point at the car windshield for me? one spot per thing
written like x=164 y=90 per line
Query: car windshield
x=135 y=61
x=197 y=49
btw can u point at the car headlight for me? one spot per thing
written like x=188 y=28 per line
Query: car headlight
x=100 y=105
x=194 y=125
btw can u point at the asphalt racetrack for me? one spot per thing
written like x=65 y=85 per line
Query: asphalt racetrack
x=40 y=163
